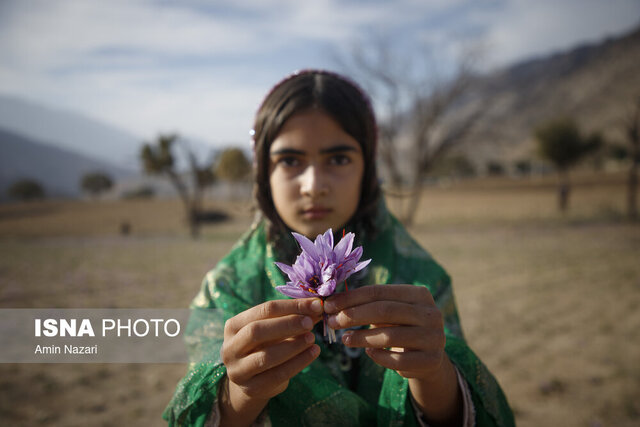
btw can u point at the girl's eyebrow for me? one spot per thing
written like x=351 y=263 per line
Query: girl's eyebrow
x=286 y=151
x=330 y=150
x=338 y=149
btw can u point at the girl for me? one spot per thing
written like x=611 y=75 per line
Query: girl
x=401 y=358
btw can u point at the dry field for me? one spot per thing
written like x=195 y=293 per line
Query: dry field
x=551 y=304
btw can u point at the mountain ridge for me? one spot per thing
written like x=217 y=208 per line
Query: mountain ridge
x=594 y=83
x=69 y=130
x=59 y=170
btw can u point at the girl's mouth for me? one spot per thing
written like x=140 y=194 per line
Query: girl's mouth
x=316 y=212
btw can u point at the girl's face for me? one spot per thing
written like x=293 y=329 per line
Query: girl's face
x=315 y=173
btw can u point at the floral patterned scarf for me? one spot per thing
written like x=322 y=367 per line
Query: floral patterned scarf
x=343 y=386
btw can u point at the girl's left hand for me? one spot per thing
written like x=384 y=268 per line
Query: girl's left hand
x=406 y=334
x=406 y=331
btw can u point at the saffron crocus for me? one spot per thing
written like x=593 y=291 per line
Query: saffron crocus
x=320 y=267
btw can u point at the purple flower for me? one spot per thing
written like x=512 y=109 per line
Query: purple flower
x=320 y=267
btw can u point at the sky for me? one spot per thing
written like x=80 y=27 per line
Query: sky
x=201 y=68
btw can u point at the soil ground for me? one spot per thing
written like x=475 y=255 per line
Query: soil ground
x=550 y=302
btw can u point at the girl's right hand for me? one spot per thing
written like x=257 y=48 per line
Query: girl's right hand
x=264 y=347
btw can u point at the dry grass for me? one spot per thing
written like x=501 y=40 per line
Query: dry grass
x=146 y=218
x=550 y=303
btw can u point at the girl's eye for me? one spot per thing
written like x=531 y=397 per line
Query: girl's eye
x=339 y=160
x=289 y=161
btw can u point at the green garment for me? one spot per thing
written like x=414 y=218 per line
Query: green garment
x=323 y=394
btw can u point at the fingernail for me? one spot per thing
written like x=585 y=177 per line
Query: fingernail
x=329 y=306
x=346 y=338
x=309 y=338
x=315 y=350
x=316 y=306
x=307 y=323
x=332 y=321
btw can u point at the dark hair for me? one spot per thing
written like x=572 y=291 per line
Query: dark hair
x=341 y=99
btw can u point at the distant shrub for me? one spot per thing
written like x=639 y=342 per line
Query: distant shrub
x=495 y=168
x=523 y=167
x=143 y=192
x=211 y=217
x=96 y=183
x=26 y=189
x=561 y=142
x=232 y=165
x=456 y=166
x=618 y=152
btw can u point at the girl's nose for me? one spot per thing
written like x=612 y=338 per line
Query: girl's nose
x=313 y=182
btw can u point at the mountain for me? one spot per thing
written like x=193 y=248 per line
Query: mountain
x=69 y=130
x=58 y=170
x=595 y=84
x=83 y=135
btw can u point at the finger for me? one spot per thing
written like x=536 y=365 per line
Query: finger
x=401 y=293
x=282 y=373
x=305 y=306
x=385 y=312
x=408 y=337
x=270 y=357
x=261 y=332
x=417 y=362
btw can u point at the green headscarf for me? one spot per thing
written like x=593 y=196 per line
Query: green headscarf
x=323 y=394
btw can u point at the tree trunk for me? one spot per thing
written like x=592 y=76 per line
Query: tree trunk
x=413 y=204
x=404 y=202
x=633 y=132
x=194 y=223
x=191 y=209
x=632 y=190
x=564 y=191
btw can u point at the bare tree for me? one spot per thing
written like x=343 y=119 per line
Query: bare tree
x=632 y=127
x=422 y=116
x=158 y=159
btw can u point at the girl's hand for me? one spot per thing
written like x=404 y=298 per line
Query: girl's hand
x=406 y=328
x=406 y=334
x=264 y=347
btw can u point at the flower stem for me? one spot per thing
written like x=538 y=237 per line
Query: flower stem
x=330 y=333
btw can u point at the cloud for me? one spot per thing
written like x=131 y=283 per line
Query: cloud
x=202 y=67
x=66 y=33
x=69 y=33
x=520 y=29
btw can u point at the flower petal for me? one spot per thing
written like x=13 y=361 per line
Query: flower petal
x=309 y=268
x=307 y=246
x=355 y=254
x=361 y=265
x=328 y=238
x=299 y=270
x=287 y=269
x=294 y=292
x=328 y=272
x=324 y=244
x=320 y=267
x=327 y=288
x=343 y=248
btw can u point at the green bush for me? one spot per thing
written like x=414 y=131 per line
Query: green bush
x=26 y=189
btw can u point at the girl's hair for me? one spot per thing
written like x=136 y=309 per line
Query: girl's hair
x=343 y=101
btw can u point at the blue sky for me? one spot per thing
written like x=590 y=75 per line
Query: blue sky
x=202 y=67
